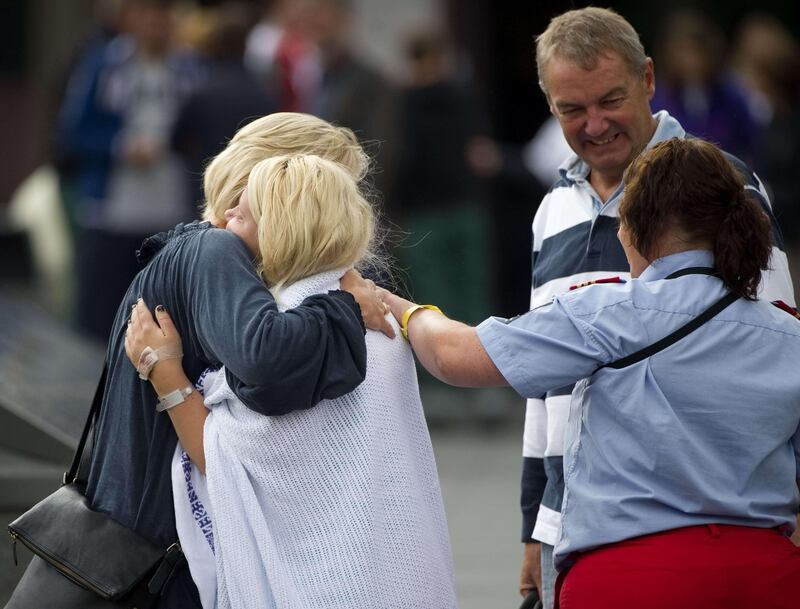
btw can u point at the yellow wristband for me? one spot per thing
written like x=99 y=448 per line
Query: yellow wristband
x=409 y=312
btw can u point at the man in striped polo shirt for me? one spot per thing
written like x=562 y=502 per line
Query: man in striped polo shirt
x=598 y=83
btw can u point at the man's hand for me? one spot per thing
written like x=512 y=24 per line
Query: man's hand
x=373 y=309
x=530 y=576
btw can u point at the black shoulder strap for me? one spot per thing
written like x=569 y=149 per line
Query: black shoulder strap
x=692 y=270
x=673 y=338
x=80 y=462
x=173 y=558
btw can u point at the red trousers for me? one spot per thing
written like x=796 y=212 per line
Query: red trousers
x=701 y=567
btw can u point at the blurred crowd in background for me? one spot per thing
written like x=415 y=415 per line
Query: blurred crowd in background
x=158 y=87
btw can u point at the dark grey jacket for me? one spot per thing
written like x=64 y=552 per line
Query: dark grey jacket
x=276 y=363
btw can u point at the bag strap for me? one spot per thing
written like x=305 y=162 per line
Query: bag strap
x=80 y=461
x=681 y=332
x=173 y=558
x=693 y=270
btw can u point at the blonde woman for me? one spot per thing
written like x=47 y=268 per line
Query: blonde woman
x=275 y=362
x=335 y=507
x=275 y=134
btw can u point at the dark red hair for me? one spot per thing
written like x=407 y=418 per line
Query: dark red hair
x=689 y=184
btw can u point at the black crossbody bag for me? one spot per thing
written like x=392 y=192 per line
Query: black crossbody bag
x=84 y=559
x=681 y=332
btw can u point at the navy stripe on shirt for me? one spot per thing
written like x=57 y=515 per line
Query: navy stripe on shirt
x=562 y=182
x=536 y=491
x=567 y=253
x=565 y=390
x=534 y=480
x=751 y=179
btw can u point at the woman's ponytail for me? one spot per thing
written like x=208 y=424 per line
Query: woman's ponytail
x=742 y=245
x=689 y=185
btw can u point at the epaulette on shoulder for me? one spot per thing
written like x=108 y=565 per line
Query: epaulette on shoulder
x=785 y=307
x=597 y=281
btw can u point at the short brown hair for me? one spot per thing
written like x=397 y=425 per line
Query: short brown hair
x=583 y=35
x=689 y=184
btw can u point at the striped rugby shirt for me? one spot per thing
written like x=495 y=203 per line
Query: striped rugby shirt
x=575 y=240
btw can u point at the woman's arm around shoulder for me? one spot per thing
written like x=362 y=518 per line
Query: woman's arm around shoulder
x=450 y=350
x=276 y=362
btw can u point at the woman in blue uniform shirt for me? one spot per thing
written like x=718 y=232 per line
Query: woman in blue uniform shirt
x=682 y=461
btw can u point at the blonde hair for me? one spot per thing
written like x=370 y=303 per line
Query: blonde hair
x=581 y=36
x=311 y=218
x=272 y=135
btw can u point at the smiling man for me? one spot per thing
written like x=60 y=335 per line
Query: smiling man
x=598 y=83
x=604 y=112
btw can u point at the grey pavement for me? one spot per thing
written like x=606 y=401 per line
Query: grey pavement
x=479 y=474
x=477 y=439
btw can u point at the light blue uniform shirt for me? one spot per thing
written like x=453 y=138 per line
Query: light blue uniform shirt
x=705 y=431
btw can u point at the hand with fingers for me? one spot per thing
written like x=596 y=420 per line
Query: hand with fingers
x=531 y=573
x=396 y=304
x=149 y=340
x=373 y=309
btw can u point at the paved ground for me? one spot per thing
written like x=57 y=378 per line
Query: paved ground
x=479 y=465
x=480 y=480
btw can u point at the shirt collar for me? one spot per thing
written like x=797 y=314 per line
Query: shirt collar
x=662 y=267
x=576 y=170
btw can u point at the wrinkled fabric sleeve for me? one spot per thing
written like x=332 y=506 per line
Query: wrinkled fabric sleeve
x=275 y=362
x=542 y=349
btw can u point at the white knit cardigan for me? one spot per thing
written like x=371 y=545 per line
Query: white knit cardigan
x=336 y=507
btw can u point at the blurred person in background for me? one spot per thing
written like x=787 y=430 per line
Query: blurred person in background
x=108 y=23
x=545 y=152
x=599 y=84
x=350 y=92
x=767 y=60
x=282 y=54
x=228 y=98
x=264 y=38
x=696 y=87
x=437 y=196
x=765 y=57
x=518 y=175
x=116 y=124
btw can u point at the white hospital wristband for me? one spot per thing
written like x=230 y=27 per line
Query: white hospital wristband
x=173 y=398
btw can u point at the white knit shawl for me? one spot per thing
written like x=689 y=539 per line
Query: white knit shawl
x=336 y=507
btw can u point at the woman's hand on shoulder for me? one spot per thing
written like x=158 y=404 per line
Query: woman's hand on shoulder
x=397 y=304
x=366 y=293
